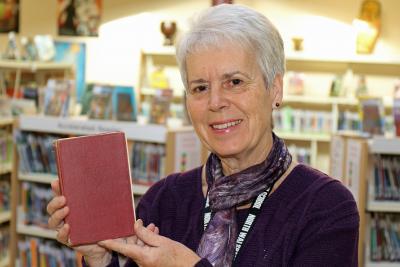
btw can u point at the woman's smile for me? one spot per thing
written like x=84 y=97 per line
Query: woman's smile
x=225 y=126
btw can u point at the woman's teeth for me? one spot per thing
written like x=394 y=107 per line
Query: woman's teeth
x=226 y=125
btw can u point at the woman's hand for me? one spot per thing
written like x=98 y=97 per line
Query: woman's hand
x=156 y=250
x=95 y=255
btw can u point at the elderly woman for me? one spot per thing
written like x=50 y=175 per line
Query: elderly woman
x=250 y=204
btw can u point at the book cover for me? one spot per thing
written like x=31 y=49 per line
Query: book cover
x=100 y=103
x=160 y=106
x=124 y=104
x=57 y=97
x=95 y=178
x=372 y=115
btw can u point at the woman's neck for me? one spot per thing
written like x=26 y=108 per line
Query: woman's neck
x=250 y=157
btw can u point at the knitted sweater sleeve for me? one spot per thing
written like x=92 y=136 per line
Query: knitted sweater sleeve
x=330 y=236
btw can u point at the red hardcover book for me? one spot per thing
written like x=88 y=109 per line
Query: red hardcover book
x=95 y=179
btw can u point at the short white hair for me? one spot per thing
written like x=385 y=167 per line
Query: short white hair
x=239 y=25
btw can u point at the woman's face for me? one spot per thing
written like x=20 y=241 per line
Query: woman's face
x=229 y=103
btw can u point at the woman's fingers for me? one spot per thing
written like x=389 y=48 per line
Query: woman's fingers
x=55 y=204
x=147 y=236
x=55 y=186
x=63 y=234
x=130 y=250
x=57 y=218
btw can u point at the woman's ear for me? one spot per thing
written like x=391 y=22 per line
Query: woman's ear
x=277 y=91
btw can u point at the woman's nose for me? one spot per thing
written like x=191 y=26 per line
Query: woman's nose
x=217 y=99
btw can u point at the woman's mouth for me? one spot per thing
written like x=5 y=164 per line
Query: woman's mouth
x=226 y=125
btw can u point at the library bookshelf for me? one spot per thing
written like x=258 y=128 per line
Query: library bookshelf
x=6 y=173
x=321 y=69
x=41 y=71
x=177 y=141
x=383 y=213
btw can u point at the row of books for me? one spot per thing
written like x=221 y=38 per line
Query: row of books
x=34 y=252
x=108 y=102
x=300 y=154
x=147 y=162
x=386 y=177
x=5 y=195
x=34 y=200
x=385 y=237
x=299 y=120
x=4 y=241
x=36 y=152
x=53 y=99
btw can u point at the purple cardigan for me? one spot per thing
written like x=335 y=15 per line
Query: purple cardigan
x=310 y=220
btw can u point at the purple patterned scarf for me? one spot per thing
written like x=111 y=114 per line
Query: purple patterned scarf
x=226 y=192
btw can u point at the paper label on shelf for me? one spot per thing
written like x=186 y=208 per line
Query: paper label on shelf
x=187 y=151
x=337 y=156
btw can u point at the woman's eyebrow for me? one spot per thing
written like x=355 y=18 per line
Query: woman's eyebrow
x=230 y=74
x=198 y=81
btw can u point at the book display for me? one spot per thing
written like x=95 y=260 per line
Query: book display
x=161 y=151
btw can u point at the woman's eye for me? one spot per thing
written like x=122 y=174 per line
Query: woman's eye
x=236 y=81
x=198 y=89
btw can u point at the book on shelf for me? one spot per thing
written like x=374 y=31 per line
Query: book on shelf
x=100 y=103
x=372 y=115
x=38 y=252
x=124 y=103
x=160 y=106
x=5 y=107
x=34 y=199
x=5 y=195
x=385 y=238
x=148 y=162
x=4 y=241
x=94 y=170
x=396 y=115
x=386 y=177
x=57 y=95
x=35 y=152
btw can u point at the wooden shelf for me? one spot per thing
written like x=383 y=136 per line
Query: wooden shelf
x=6 y=121
x=304 y=136
x=383 y=206
x=5 y=168
x=35 y=231
x=302 y=56
x=44 y=178
x=33 y=65
x=5 y=216
x=4 y=262
x=304 y=99
x=382 y=264
x=178 y=93
x=83 y=126
x=383 y=145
